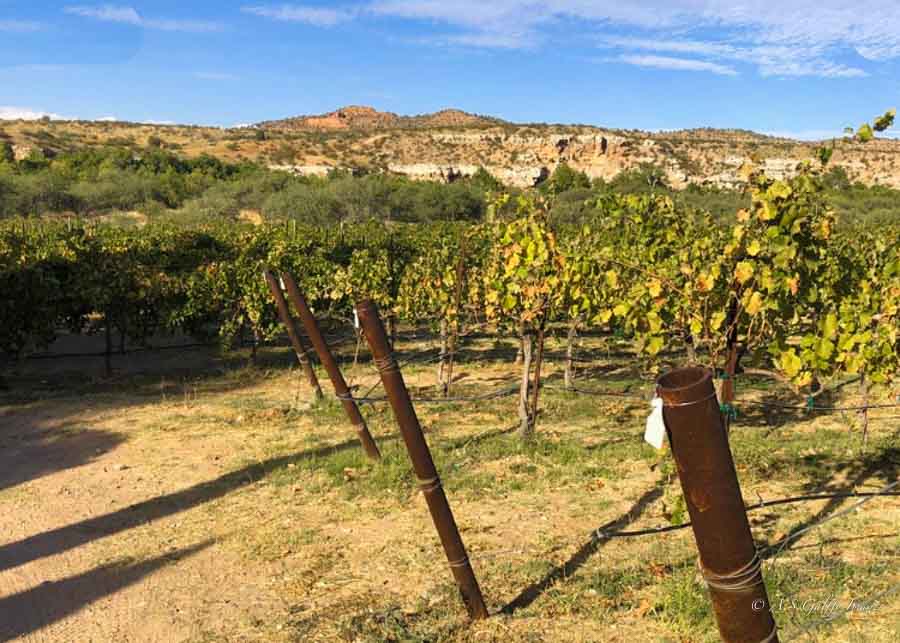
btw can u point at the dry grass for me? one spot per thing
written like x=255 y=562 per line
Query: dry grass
x=339 y=548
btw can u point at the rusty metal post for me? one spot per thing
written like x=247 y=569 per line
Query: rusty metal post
x=728 y=558
x=423 y=465
x=293 y=333
x=330 y=364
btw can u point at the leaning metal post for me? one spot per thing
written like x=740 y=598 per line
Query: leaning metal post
x=341 y=389
x=728 y=558
x=292 y=332
x=423 y=465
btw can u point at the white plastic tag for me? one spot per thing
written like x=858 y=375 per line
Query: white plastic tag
x=281 y=283
x=355 y=320
x=656 y=427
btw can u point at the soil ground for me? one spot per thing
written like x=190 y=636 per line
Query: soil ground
x=193 y=497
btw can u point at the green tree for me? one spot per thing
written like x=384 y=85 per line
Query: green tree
x=6 y=152
x=565 y=178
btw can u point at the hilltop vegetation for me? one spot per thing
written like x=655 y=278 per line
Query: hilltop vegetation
x=161 y=184
x=451 y=143
x=204 y=189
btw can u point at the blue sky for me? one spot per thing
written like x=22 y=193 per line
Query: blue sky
x=800 y=67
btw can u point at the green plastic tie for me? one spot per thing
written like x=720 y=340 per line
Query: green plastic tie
x=810 y=403
x=728 y=410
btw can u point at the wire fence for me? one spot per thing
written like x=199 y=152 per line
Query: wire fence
x=579 y=389
x=338 y=339
x=334 y=339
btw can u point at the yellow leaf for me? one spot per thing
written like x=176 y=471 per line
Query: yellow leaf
x=755 y=304
x=743 y=272
x=790 y=363
x=717 y=320
x=794 y=285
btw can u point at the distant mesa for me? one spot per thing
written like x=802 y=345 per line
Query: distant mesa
x=362 y=117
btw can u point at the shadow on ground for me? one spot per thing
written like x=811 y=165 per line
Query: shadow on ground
x=33 y=609
x=56 y=541
x=534 y=591
x=28 y=453
x=855 y=473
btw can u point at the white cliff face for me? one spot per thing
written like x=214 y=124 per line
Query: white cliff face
x=521 y=177
x=433 y=172
x=304 y=170
x=524 y=156
x=22 y=152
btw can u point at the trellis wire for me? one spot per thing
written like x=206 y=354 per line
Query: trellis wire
x=867 y=495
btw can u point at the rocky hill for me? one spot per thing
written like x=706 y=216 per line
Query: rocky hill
x=449 y=144
x=364 y=118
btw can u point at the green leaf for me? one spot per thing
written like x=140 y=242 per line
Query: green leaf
x=865 y=134
x=696 y=327
x=830 y=326
x=779 y=189
x=885 y=121
x=826 y=349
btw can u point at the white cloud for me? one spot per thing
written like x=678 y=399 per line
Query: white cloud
x=676 y=64
x=787 y=38
x=317 y=16
x=39 y=68
x=20 y=26
x=130 y=16
x=8 y=113
x=191 y=26
x=821 y=68
x=108 y=13
x=771 y=60
x=29 y=114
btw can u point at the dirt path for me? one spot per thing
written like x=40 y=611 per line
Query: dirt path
x=105 y=536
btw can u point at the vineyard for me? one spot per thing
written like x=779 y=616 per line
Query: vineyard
x=787 y=305
x=783 y=292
